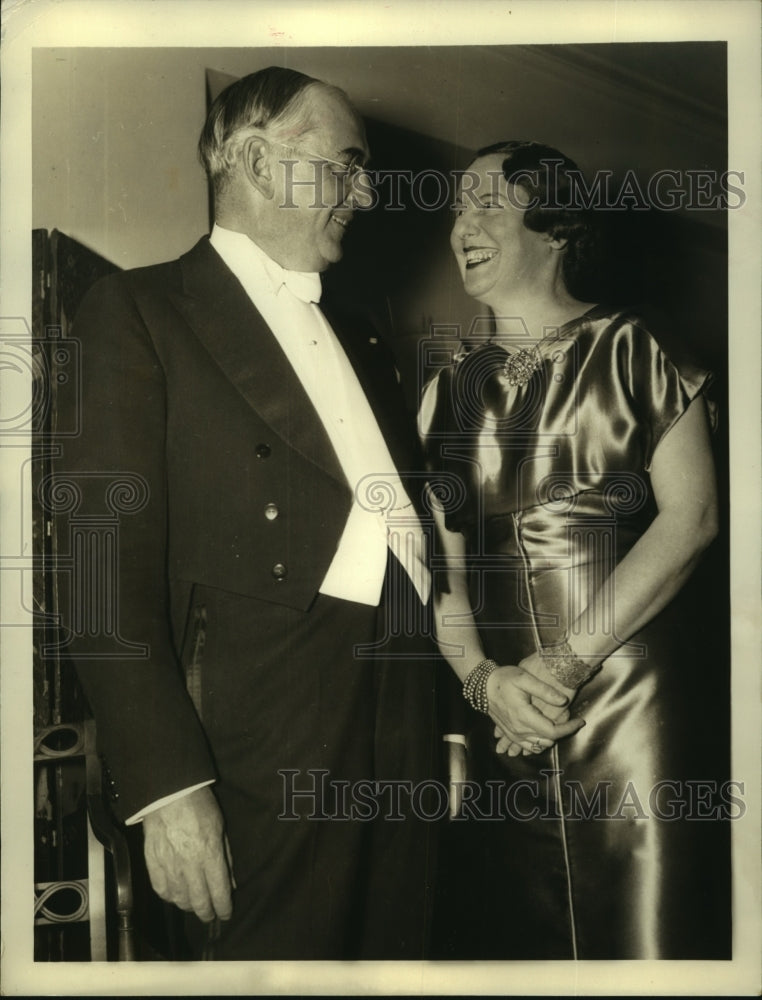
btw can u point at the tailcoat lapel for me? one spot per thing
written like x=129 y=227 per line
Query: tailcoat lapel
x=216 y=307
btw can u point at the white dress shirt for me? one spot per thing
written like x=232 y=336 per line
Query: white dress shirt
x=381 y=515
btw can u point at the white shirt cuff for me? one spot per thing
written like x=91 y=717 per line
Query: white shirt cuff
x=138 y=816
x=455 y=738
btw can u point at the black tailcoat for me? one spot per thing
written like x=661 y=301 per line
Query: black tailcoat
x=220 y=649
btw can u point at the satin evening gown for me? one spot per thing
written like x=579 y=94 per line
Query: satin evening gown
x=615 y=843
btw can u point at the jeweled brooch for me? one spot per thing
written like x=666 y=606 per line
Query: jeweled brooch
x=520 y=366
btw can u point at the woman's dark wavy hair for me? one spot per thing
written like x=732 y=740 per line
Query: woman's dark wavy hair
x=551 y=180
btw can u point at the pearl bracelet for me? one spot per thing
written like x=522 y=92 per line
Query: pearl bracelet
x=475 y=686
x=566 y=666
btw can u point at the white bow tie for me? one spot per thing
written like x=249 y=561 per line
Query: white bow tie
x=305 y=285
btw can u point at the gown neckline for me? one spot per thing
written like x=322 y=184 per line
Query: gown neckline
x=563 y=332
x=560 y=333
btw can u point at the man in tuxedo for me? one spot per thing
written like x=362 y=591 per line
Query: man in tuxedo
x=266 y=654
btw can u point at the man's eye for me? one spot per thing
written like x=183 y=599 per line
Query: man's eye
x=354 y=166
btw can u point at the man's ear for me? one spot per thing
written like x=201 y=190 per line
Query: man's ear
x=257 y=166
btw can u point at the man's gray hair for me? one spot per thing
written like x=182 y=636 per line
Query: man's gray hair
x=271 y=101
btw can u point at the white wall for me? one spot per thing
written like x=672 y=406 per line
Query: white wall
x=114 y=161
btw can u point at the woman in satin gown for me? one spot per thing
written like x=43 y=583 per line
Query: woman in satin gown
x=576 y=489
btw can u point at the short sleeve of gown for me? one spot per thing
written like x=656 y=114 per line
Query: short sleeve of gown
x=435 y=416
x=659 y=392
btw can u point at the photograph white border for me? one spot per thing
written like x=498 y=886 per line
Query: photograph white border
x=201 y=23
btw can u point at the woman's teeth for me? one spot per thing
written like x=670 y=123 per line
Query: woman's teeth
x=474 y=257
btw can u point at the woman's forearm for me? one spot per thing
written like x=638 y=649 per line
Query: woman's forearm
x=660 y=562
x=642 y=584
x=456 y=632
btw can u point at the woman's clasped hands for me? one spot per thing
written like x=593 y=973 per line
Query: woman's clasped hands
x=529 y=707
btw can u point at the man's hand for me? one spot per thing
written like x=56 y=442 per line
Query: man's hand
x=187 y=855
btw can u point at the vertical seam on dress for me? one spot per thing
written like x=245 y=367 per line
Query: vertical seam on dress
x=515 y=517
x=569 y=893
